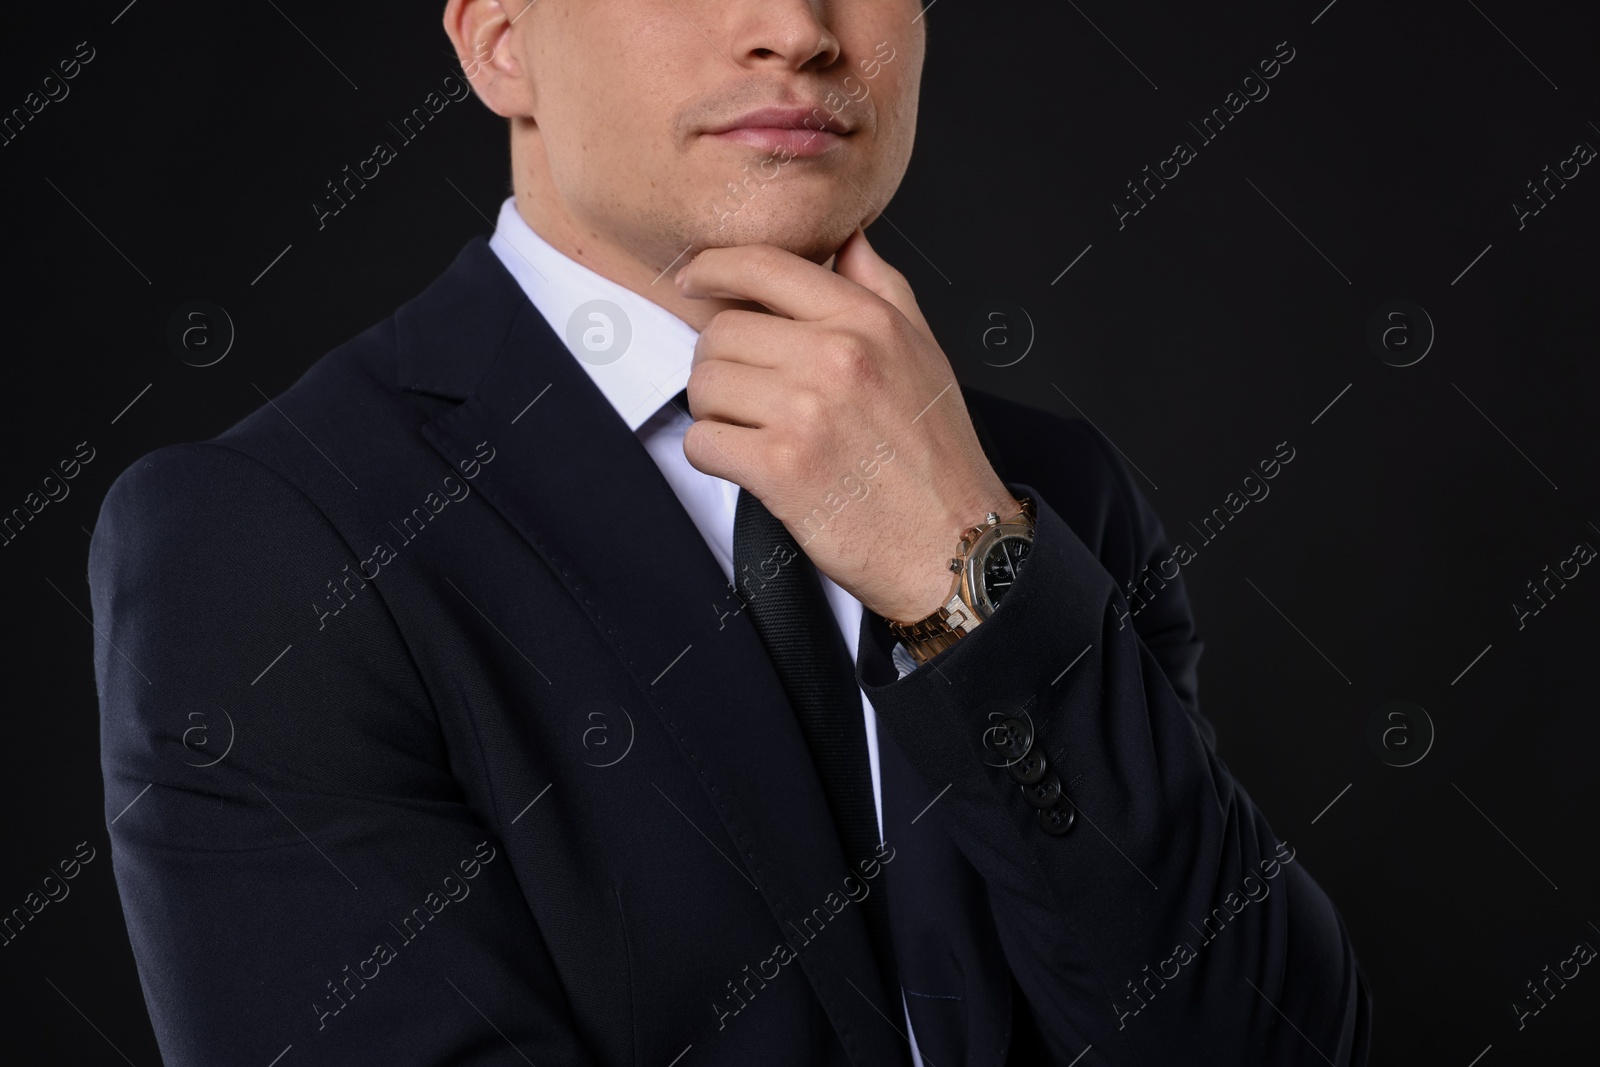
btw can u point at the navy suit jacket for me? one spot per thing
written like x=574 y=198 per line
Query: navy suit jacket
x=434 y=734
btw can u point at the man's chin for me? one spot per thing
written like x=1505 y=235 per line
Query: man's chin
x=815 y=238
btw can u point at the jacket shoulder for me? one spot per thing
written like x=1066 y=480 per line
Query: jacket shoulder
x=186 y=521
x=1075 y=468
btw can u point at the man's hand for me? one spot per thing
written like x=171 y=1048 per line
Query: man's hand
x=802 y=406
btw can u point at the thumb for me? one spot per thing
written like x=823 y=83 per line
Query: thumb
x=858 y=261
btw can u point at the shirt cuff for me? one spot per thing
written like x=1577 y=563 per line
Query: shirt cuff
x=902 y=659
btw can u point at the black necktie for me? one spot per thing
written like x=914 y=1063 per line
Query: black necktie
x=791 y=614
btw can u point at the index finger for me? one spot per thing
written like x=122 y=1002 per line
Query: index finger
x=788 y=284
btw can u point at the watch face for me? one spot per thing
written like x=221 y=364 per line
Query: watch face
x=1002 y=565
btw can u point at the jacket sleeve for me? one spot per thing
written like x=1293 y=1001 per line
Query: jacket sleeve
x=1168 y=924
x=297 y=866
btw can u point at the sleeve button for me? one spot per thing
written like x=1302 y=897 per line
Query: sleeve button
x=1044 y=793
x=1058 y=819
x=1013 y=738
x=1029 y=768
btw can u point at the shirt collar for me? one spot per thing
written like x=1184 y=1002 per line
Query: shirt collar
x=660 y=346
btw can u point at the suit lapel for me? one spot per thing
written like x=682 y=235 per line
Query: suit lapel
x=584 y=493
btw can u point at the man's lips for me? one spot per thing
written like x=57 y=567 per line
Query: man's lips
x=796 y=131
x=787 y=118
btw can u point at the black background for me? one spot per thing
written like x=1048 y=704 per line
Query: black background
x=1225 y=318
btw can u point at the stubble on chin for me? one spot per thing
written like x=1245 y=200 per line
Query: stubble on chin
x=811 y=235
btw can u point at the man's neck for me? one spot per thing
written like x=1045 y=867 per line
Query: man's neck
x=610 y=260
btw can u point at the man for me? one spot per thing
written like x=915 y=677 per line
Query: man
x=476 y=702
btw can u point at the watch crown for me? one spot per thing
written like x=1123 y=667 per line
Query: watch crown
x=992 y=518
x=955 y=563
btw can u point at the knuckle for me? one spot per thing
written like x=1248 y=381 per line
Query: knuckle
x=696 y=388
x=849 y=358
x=809 y=407
x=699 y=448
x=724 y=325
x=708 y=384
x=887 y=318
x=790 y=460
x=713 y=336
x=762 y=263
x=709 y=334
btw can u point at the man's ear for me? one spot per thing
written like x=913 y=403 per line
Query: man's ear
x=481 y=32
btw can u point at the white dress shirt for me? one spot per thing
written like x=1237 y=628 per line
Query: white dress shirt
x=639 y=385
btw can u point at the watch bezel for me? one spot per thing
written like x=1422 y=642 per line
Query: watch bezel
x=987 y=542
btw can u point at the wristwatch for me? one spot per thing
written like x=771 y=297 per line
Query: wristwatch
x=990 y=560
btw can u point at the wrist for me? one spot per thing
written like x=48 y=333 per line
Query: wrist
x=936 y=580
x=932 y=590
x=988 y=559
